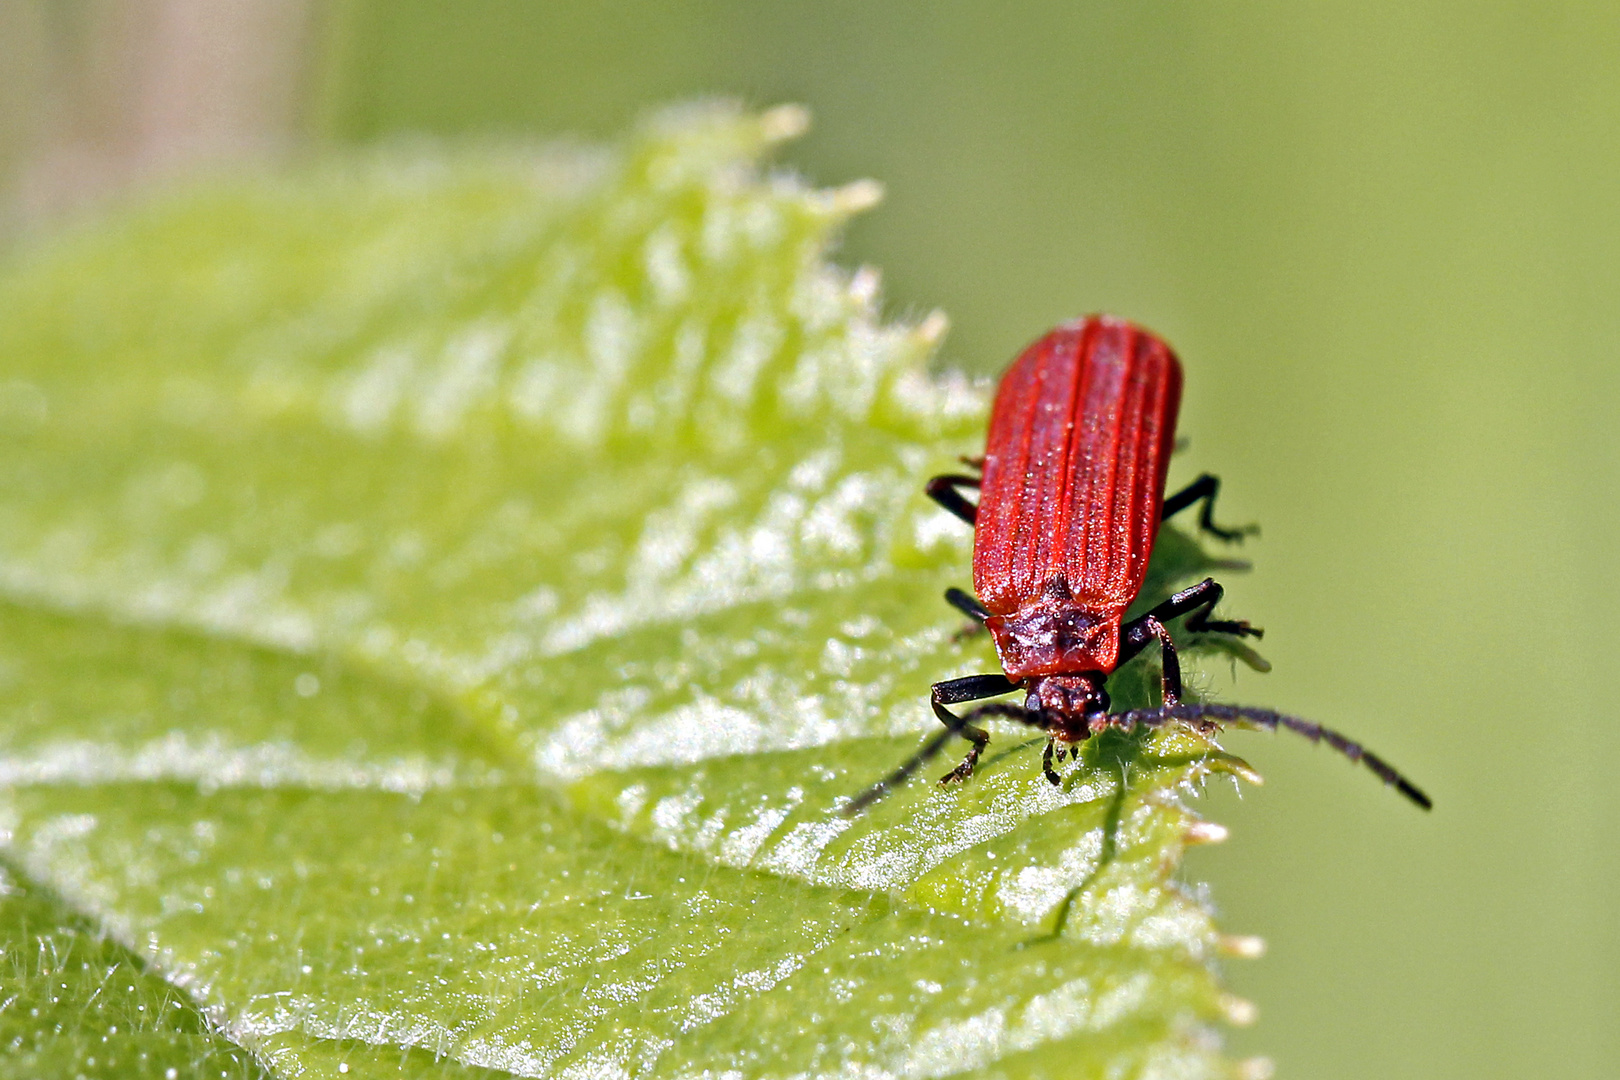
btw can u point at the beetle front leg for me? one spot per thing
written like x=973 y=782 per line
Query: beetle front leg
x=949 y=692
x=1170 y=664
x=981 y=737
x=956 y=691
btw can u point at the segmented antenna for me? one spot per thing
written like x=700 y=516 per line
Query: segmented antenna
x=1266 y=720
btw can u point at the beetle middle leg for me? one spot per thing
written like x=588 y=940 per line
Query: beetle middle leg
x=943 y=490
x=1204 y=489
x=1196 y=602
x=968 y=605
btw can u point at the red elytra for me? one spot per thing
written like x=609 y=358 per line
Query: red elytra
x=1071 y=497
x=1073 y=487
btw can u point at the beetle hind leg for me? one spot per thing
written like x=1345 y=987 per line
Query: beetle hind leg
x=1203 y=490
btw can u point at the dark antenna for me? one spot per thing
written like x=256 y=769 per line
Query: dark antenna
x=1266 y=720
x=1205 y=718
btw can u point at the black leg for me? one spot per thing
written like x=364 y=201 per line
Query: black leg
x=971 y=688
x=1046 y=763
x=1204 y=489
x=942 y=489
x=949 y=692
x=1196 y=601
x=1170 y=665
x=967 y=604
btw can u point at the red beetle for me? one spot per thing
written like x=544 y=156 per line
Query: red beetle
x=1070 y=501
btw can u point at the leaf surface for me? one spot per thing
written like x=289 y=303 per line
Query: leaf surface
x=445 y=601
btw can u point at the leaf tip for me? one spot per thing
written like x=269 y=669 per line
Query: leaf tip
x=931 y=331
x=1233 y=765
x=864 y=284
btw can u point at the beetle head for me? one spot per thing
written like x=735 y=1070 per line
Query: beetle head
x=1066 y=702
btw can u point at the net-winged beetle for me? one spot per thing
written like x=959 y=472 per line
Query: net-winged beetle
x=1071 y=494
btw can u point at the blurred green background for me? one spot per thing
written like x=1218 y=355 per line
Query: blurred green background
x=1384 y=239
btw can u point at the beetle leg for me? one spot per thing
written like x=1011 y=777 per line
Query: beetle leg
x=1204 y=489
x=1198 y=601
x=963 y=724
x=1170 y=667
x=942 y=489
x=980 y=739
x=1046 y=762
x=949 y=692
x=969 y=606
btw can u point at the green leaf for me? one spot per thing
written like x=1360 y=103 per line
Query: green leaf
x=445 y=599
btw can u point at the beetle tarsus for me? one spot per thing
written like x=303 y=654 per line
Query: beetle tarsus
x=1046 y=763
x=965 y=769
x=1235 y=627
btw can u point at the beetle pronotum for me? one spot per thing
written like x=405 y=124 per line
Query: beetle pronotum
x=1070 y=500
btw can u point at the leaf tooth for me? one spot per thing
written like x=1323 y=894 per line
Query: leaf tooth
x=1199 y=831
x=1255 y=1068
x=784 y=123
x=1239 y=1012
x=931 y=331
x=853 y=198
x=1232 y=765
x=1241 y=946
x=864 y=284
